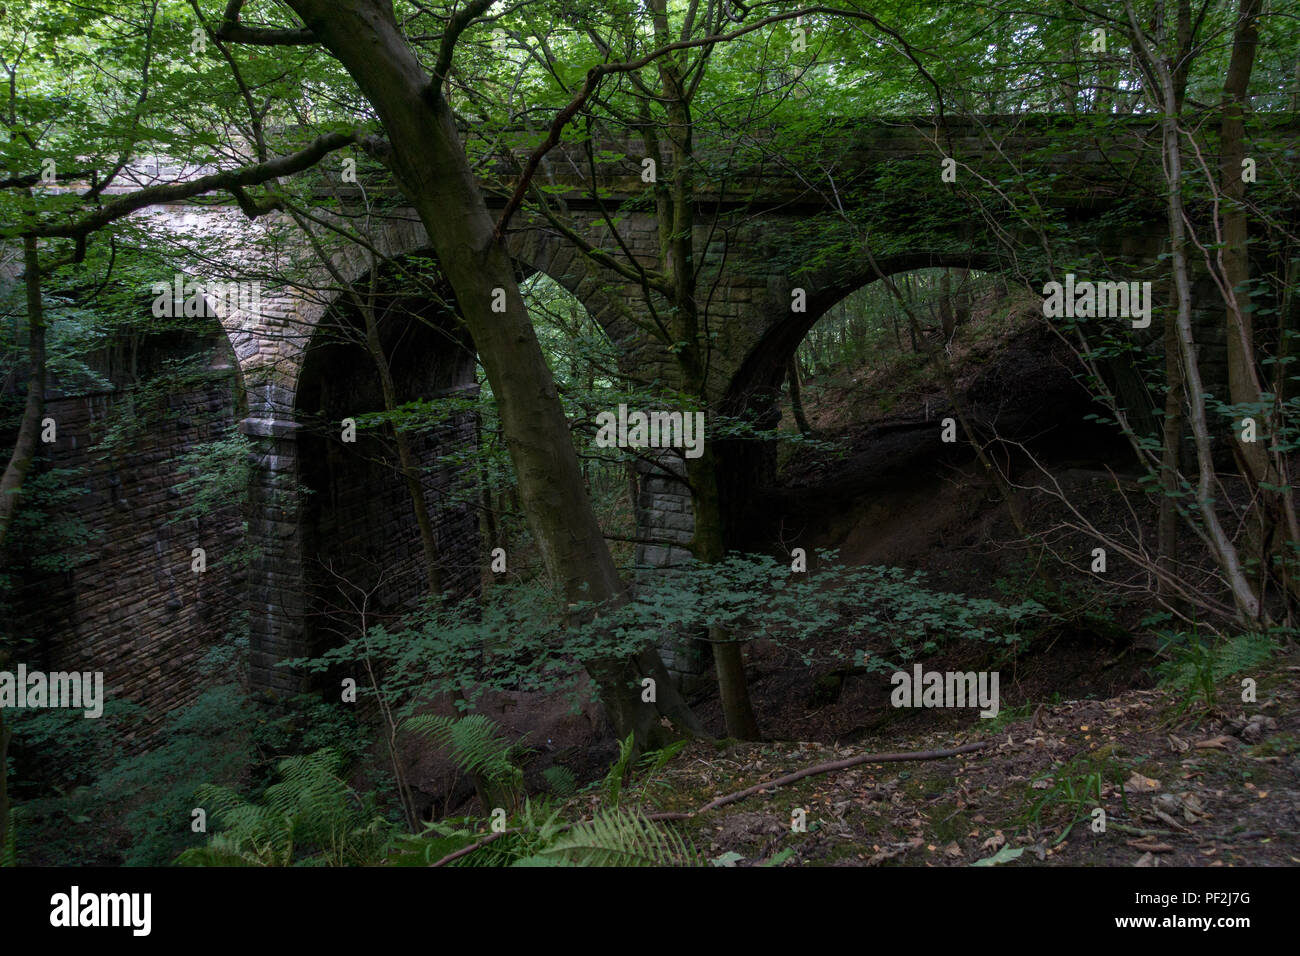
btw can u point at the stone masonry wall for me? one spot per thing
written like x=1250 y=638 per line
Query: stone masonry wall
x=130 y=606
x=360 y=521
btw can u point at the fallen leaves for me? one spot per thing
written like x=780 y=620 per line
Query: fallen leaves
x=1137 y=783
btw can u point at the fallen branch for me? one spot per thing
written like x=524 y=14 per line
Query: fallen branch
x=467 y=850
x=739 y=795
x=821 y=768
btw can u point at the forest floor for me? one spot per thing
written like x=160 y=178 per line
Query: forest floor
x=1083 y=725
x=1179 y=787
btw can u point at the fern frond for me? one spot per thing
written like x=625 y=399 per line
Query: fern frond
x=561 y=780
x=655 y=760
x=616 y=838
x=474 y=742
x=310 y=813
x=612 y=786
x=9 y=852
x=1241 y=653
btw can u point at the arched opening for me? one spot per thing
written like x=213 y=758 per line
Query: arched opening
x=862 y=395
x=385 y=406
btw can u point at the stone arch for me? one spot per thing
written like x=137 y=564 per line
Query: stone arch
x=762 y=367
x=279 y=362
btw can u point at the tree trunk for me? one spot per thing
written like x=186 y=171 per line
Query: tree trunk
x=947 y=314
x=1226 y=555
x=964 y=301
x=1172 y=426
x=707 y=545
x=675 y=205
x=429 y=161
x=1244 y=386
x=1167 y=528
x=405 y=456
x=20 y=461
x=485 y=491
x=796 y=397
x=1243 y=383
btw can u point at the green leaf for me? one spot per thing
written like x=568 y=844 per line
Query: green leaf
x=1004 y=855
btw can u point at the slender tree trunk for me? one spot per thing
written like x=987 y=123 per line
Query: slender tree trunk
x=947 y=314
x=20 y=461
x=964 y=301
x=1229 y=561
x=675 y=204
x=1243 y=383
x=707 y=546
x=633 y=485
x=1172 y=426
x=1167 y=529
x=405 y=456
x=485 y=491
x=1244 y=386
x=796 y=397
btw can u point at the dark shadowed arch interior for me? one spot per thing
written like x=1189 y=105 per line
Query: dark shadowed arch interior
x=358 y=519
x=1026 y=389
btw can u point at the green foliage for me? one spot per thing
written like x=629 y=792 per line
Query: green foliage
x=1007 y=715
x=145 y=402
x=539 y=834
x=614 y=838
x=48 y=534
x=524 y=639
x=475 y=743
x=1197 y=664
x=215 y=473
x=310 y=818
x=1076 y=788
x=561 y=781
x=85 y=800
x=9 y=851
x=612 y=786
x=155 y=791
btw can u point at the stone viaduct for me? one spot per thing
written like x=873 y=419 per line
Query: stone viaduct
x=864 y=199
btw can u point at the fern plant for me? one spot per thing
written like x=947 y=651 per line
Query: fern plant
x=539 y=836
x=1196 y=666
x=9 y=851
x=561 y=781
x=310 y=818
x=615 y=837
x=476 y=744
